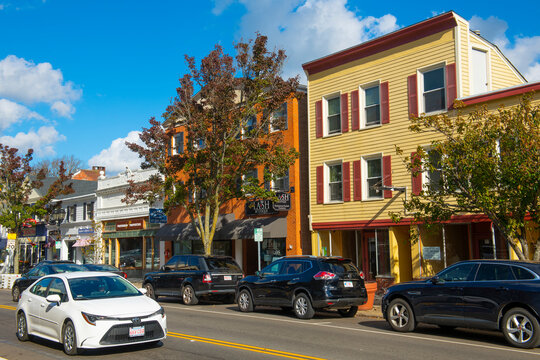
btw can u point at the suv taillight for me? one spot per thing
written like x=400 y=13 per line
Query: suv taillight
x=206 y=278
x=362 y=276
x=124 y=275
x=324 y=275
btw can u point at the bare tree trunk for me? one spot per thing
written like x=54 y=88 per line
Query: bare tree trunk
x=16 y=255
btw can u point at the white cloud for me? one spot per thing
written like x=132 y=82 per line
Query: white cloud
x=41 y=141
x=118 y=156
x=220 y=6
x=63 y=109
x=523 y=52
x=11 y=113
x=26 y=82
x=311 y=28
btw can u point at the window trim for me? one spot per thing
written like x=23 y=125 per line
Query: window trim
x=326 y=175
x=420 y=85
x=273 y=182
x=487 y=50
x=362 y=102
x=364 y=177
x=175 y=145
x=272 y=116
x=326 y=98
x=426 y=180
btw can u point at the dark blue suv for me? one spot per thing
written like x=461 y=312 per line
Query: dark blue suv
x=305 y=283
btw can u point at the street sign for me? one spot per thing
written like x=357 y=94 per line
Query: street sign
x=157 y=216
x=10 y=244
x=258 y=234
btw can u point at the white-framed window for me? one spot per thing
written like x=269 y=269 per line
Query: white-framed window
x=432 y=175
x=280 y=114
x=432 y=89
x=334 y=181
x=332 y=114
x=370 y=105
x=372 y=173
x=178 y=143
x=249 y=177
x=281 y=183
x=73 y=213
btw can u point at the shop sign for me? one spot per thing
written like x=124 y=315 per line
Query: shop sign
x=26 y=232
x=283 y=202
x=157 y=216
x=54 y=232
x=129 y=225
x=86 y=230
x=110 y=227
x=259 y=207
x=431 y=253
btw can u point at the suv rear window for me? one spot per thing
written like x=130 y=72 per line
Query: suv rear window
x=222 y=264
x=338 y=266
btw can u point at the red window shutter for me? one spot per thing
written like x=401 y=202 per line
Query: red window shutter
x=344 y=113
x=357 y=181
x=451 y=85
x=385 y=103
x=413 y=95
x=355 y=111
x=416 y=180
x=346 y=181
x=387 y=175
x=320 y=185
x=318 y=119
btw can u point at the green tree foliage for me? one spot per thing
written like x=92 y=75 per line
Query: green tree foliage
x=487 y=162
x=223 y=141
x=16 y=184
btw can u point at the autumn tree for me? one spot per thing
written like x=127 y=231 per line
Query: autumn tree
x=16 y=184
x=225 y=106
x=486 y=162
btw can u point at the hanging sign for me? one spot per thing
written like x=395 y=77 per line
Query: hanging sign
x=259 y=207
x=283 y=202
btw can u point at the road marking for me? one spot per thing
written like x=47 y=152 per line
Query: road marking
x=242 y=346
x=8 y=307
x=389 y=333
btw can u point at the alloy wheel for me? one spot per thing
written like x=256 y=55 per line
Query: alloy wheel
x=519 y=328
x=301 y=306
x=69 y=338
x=399 y=315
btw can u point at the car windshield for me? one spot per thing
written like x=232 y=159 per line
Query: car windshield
x=339 y=266
x=62 y=268
x=222 y=264
x=101 y=287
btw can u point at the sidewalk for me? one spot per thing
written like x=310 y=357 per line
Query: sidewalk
x=375 y=312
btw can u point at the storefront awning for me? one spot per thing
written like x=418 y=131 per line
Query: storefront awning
x=273 y=227
x=81 y=243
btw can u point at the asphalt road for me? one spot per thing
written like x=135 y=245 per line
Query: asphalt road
x=219 y=331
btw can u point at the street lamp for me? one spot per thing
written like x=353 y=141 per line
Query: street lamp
x=57 y=216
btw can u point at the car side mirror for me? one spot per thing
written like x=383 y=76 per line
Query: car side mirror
x=258 y=273
x=436 y=280
x=55 y=298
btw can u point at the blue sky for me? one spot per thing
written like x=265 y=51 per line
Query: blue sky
x=79 y=77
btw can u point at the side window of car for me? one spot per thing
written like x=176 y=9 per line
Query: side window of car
x=193 y=263
x=57 y=287
x=44 y=270
x=172 y=262
x=489 y=272
x=292 y=267
x=272 y=269
x=33 y=272
x=522 y=274
x=40 y=289
x=182 y=263
x=457 y=273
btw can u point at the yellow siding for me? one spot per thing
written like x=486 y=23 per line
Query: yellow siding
x=464 y=67
x=393 y=66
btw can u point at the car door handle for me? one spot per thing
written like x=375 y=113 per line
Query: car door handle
x=43 y=305
x=502 y=288
x=295 y=279
x=273 y=281
x=29 y=300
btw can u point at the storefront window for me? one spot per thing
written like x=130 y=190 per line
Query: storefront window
x=131 y=253
x=272 y=249
x=378 y=252
x=152 y=253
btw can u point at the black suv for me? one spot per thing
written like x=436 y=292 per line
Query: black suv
x=305 y=283
x=193 y=276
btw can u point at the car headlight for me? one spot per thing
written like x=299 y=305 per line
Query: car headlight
x=91 y=319
x=161 y=312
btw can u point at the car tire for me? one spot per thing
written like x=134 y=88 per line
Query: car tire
x=400 y=316
x=521 y=328
x=69 y=339
x=150 y=291
x=350 y=312
x=188 y=295
x=22 y=327
x=245 y=302
x=302 y=307
x=15 y=293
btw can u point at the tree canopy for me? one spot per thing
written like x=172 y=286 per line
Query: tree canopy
x=225 y=108
x=486 y=162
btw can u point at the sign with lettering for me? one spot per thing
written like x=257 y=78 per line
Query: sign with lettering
x=157 y=216
x=26 y=232
x=258 y=234
x=283 y=202
x=136 y=224
x=86 y=230
x=259 y=207
x=431 y=253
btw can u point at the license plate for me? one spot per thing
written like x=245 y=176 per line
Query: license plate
x=227 y=277
x=347 y=283
x=136 y=331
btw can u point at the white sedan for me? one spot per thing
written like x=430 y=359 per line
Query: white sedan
x=88 y=310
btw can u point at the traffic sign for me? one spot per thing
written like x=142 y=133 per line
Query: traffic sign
x=258 y=234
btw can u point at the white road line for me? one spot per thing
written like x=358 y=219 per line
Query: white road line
x=303 y=322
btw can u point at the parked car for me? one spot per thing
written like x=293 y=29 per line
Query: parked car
x=305 y=283
x=193 y=276
x=46 y=267
x=500 y=295
x=105 y=267
x=87 y=310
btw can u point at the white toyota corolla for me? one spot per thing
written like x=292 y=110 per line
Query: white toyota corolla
x=87 y=310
